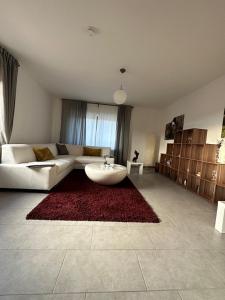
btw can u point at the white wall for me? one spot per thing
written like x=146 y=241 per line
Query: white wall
x=203 y=108
x=33 y=111
x=145 y=134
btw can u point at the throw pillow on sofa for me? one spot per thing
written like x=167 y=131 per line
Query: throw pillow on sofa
x=43 y=154
x=92 y=151
x=62 y=150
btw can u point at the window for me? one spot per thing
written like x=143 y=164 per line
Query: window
x=101 y=125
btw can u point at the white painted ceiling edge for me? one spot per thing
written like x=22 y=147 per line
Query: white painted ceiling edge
x=170 y=48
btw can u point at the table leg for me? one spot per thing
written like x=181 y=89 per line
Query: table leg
x=128 y=168
x=141 y=169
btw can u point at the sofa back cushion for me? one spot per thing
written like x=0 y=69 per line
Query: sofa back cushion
x=89 y=151
x=17 y=153
x=43 y=154
x=51 y=147
x=62 y=150
x=75 y=150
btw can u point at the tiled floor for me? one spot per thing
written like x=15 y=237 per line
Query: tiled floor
x=182 y=258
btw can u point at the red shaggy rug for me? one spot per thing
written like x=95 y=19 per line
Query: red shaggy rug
x=76 y=198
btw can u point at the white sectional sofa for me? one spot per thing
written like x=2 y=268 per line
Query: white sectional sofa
x=16 y=171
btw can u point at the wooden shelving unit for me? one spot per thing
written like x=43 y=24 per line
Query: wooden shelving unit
x=192 y=163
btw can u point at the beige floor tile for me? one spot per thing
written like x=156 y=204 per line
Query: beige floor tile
x=30 y=271
x=45 y=297
x=163 y=295
x=178 y=269
x=216 y=258
x=120 y=238
x=210 y=294
x=172 y=237
x=99 y=271
x=45 y=237
x=20 y=200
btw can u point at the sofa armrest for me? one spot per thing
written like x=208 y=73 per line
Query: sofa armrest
x=19 y=176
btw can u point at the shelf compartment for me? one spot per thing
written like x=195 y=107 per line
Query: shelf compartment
x=168 y=160
x=175 y=163
x=163 y=159
x=176 y=149
x=184 y=165
x=169 y=149
x=182 y=179
x=197 y=152
x=193 y=183
x=178 y=137
x=219 y=193
x=209 y=153
x=195 y=167
x=187 y=136
x=199 y=136
x=207 y=189
x=186 y=151
x=209 y=172
x=173 y=174
x=161 y=167
x=194 y=136
x=164 y=170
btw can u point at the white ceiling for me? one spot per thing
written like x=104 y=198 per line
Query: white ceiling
x=170 y=47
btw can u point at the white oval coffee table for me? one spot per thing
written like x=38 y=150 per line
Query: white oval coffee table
x=107 y=175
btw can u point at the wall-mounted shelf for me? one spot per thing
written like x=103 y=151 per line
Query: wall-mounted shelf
x=193 y=164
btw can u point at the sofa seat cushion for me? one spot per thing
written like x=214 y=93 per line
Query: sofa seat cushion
x=63 y=162
x=88 y=159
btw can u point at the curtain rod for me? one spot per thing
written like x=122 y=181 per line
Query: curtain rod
x=4 y=51
x=89 y=102
x=101 y=103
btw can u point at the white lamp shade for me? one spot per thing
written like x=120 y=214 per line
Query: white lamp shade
x=120 y=96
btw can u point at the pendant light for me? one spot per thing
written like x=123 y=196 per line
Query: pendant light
x=120 y=95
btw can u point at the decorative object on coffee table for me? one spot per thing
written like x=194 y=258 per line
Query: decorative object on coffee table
x=138 y=164
x=108 y=160
x=39 y=166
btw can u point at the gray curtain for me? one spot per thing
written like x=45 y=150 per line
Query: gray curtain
x=9 y=71
x=73 y=122
x=123 y=134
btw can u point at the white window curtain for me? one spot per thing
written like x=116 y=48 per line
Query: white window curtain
x=101 y=125
x=91 y=124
